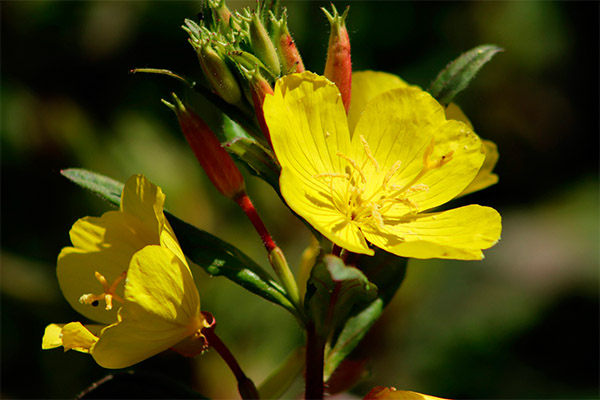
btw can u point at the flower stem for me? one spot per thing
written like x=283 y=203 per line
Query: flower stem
x=246 y=205
x=246 y=387
x=276 y=256
x=315 y=358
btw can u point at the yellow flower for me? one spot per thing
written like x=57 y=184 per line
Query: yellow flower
x=391 y=393
x=130 y=261
x=370 y=175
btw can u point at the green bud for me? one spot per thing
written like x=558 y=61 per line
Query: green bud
x=262 y=45
x=217 y=72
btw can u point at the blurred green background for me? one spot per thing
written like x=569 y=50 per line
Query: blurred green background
x=523 y=323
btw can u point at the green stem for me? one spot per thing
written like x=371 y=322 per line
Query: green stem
x=276 y=256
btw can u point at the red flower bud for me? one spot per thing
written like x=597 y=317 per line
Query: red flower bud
x=259 y=88
x=289 y=56
x=213 y=158
x=338 y=68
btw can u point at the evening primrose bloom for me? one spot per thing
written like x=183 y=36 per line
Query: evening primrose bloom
x=370 y=177
x=127 y=271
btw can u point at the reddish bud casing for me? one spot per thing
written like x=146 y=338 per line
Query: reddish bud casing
x=338 y=67
x=213 y=158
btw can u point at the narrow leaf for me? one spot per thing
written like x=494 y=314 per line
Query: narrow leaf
x=457 y=75
x=212 y=254
x=100 y=185
x=385 y=270
x=334 y=290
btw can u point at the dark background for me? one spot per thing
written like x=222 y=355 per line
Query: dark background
x=523 y=323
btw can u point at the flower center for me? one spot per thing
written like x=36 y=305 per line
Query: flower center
x=348 y=190
x=109 y=292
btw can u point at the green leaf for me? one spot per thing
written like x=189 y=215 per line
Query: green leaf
x=212 y=254
x=219 y=258
x=259 y=159
x=334 y=291
x=387 y=271
x=457 y=75
x=103 y=186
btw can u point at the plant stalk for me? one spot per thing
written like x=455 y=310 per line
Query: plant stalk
x=315 y=358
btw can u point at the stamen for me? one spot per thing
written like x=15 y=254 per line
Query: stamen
x=420 y=187
x=354 y=165
x=108 y=294
x=369 y=154
x=391 y=173
x=377 y=215
x=331 y=175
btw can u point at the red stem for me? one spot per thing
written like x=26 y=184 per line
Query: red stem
x=244 y=202
x=315 y=358
x=246 y=387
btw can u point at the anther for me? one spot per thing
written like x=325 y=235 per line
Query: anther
x=391 y=173
x=108 y=294
x=369 y=154
x=354 y=165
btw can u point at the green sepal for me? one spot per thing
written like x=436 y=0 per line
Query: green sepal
x=334 y=291
x=457 y=75
x=385 y=270
x=260 y=160
x=213 y=255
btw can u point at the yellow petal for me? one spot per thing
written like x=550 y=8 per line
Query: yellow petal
x=72 y=336
x=132 y=340
x=308 y=127
x=318 y=209
x=485 y=177
x=385 y=393
x=400 y=126
x=459 y=234
x=105 y=245
x=78 y=337
x=163 y=286
x=144 y=200
x=52 y=336
x=307 y=123
x=365 y=86
x=162 y=307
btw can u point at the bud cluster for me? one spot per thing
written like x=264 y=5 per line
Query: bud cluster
x=242 y=53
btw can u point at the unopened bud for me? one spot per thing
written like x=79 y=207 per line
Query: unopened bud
x=217 y=72
x=259 y=88
x=338 y=68
x=289 y=56
x=222 y=14
x=262 y=45
x=213 y=158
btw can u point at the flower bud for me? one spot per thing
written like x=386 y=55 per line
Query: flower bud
x=338 y=67
x=217 y=72
x=289 y=56
x=213 y=158
x=259 y=88
x=262 y=45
